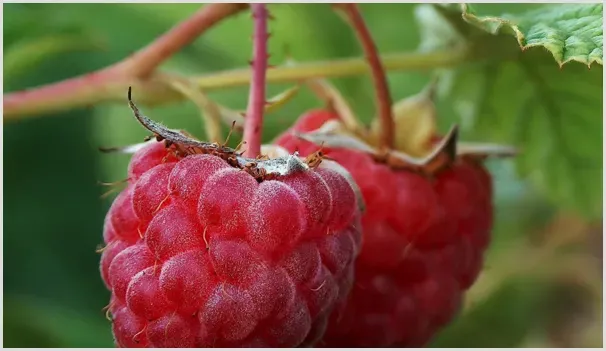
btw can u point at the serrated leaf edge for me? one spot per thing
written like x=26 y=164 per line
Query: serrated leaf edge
x=475 y=20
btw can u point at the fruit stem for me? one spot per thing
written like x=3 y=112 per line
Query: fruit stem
x=253 y=124
x=383 y=97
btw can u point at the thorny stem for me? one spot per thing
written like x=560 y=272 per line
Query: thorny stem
x=253 y=124
x=100 y=87
x=111 y=82
x=383 y=98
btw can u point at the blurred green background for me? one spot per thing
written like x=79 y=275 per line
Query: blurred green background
x=542 y=285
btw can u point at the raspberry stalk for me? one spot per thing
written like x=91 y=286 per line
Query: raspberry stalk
x=253 y=124
x=383 y=96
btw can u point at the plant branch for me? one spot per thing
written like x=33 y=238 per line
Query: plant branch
x=144 y=61
x=383 y=97
x=253 y=124
x=103 y=86
x=111 y=82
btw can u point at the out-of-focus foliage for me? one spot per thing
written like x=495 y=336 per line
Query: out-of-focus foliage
x=518 y=94
x=53 y=216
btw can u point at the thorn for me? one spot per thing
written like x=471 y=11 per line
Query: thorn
x=271 y=66
x=269 y=35
x=250 y=62
x=270 y=16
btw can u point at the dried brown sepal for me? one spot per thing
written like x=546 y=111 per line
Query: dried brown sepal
x=442 y=155
x=332 y=135
x=184 y=145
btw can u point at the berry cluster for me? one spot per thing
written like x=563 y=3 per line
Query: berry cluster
x=423 y=244
x=201 y=254
x=208 y=246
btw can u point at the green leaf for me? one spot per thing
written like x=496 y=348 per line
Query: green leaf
x=533 y=80
x=571 y=32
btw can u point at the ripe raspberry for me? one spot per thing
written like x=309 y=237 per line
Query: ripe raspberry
x=201 y=254
x=423 y=245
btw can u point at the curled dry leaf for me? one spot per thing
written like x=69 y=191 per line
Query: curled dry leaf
x=415 y=132
x=333 y=135
x=184 y=144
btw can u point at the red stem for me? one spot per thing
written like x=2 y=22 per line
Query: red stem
x=86 y=88
x=144 y=61
x=383 y=97
x=253 y=124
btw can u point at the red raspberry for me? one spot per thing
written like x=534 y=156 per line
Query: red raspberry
x=423 y=245
x=201 y=254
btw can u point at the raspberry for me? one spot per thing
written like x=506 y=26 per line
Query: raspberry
x=423 y=245
x=201 y=253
